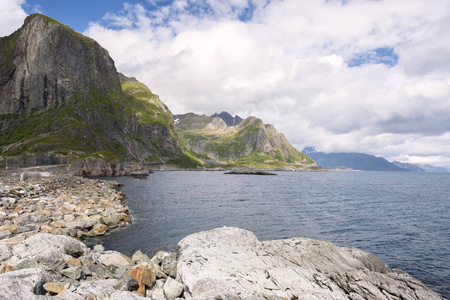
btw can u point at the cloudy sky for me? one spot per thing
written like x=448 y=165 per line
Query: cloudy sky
x=341 y=75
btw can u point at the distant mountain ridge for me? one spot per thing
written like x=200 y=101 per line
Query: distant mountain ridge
x=365 y=162
x=420 y=167
x=251 y=143
x=355 y=161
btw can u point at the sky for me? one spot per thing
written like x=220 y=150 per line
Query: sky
x=369 y=76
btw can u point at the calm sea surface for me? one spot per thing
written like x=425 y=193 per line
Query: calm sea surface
x=403 y=218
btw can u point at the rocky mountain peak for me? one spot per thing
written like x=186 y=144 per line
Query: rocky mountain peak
x=228 y=118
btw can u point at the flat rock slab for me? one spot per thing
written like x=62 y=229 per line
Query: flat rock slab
x=231 y=263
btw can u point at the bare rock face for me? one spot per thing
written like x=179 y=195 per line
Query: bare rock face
x=50 y=66
x=231 y=263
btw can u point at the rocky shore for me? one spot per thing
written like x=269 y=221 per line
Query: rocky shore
x=45 y=215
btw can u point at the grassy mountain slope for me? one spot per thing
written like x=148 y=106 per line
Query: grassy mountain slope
x=251 y=143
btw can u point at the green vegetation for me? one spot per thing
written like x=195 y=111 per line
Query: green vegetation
x=250 y=144
x=146 y=105
x=186 y=161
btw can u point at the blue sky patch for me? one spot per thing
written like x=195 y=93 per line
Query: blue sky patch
x=378 y=56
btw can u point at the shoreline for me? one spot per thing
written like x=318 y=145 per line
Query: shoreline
x=43 y=253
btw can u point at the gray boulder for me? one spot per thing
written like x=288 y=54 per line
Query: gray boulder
x=113 y=220
x=139 y=257
x=233 y=263
x=7 y=201
x=4 y=234
x=24 y=284
x=50 y=251
x=26 y=175
x=127 y=283
x=101 y=289
x=172 y=288
x=5 y=252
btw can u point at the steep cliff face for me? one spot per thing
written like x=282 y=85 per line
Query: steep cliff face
x=45 y=65
x=60 y=93
x=250 y=143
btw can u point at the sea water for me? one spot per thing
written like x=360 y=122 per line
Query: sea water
x=403 y=218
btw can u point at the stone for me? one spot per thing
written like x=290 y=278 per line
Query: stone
x=157 y=292
x=23 y=229
x=72 y=272
x=172 y=288
x=99 y=248
x=74 y=262
x=4 y=234
x=127 y=283
x=122 y=295
x=5 y=252
x=56 y=287
x=126 y=217
x=7 y=201
x=99 y=229
x=24 y=284
x=159 y=256
x=100 y=289
x=169 y=265
x=51 y=251
x=113 y=258
x=233 y=262
x=26 y=175
x=6 y=267
x=27 y=264
x=113 y=220
x=144 y=276
x=58 y=224
x=82 y=223
x=99 y=271
x=139 y=257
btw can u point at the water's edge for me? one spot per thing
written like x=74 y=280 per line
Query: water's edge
x=399 y=218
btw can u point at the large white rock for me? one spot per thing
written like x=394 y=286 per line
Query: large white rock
x=50 y=251
x=172 y=288
x=232 y=263
x=24 y=284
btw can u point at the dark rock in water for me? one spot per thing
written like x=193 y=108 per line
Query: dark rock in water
x=250 y=172
x=141 y=174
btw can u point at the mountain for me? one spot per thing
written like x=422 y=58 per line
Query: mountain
x=250 y=143
x=420 y=167
x=228 y=119
x=355 y=161
x=60 y=94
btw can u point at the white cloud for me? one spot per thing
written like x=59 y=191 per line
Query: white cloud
x=288 y=65
x=11 y=16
